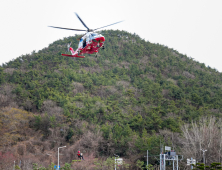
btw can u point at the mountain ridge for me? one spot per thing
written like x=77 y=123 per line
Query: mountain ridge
x=124 y=98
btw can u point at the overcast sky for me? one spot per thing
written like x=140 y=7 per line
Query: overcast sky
x=192 y=27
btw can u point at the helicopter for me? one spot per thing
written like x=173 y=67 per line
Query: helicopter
x=89 y=43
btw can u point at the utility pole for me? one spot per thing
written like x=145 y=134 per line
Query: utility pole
x=115 y=159
x=147 y=159
x=192 y=162
x=203 y=155
x=58 y=156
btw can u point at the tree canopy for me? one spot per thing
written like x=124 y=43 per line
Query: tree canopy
x=132 y=91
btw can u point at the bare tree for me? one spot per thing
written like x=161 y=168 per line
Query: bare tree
x=51 y=109
x=205 y=134
x=6 y=96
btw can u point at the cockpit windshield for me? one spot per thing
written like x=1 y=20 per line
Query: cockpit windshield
x=94 y=34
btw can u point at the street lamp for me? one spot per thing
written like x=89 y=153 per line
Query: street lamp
x=203 y=155
x=115 y=159
x=58 y=155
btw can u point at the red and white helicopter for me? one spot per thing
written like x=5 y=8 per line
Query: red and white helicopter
x=89 y=43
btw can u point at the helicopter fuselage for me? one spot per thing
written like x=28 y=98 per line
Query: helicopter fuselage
x=90 y=43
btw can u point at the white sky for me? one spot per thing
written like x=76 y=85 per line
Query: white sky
x=192 y=27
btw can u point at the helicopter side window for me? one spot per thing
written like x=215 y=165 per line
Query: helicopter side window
x=81 y=43
x=88 y=38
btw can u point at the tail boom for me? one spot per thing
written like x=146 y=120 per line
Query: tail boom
x=74 y=53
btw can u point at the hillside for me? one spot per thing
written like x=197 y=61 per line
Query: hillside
x=118 y=103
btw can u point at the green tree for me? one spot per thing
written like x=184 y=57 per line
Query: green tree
x=17 y=167
x=139 y=164
x=67 y=166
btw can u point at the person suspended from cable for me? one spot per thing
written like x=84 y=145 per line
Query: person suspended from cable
x=80 y=155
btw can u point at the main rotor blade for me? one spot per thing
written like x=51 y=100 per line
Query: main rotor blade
x=82 y=21
x=107 y=25
x=68 y=28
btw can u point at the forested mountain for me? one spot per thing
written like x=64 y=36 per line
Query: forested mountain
x=118 y=103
